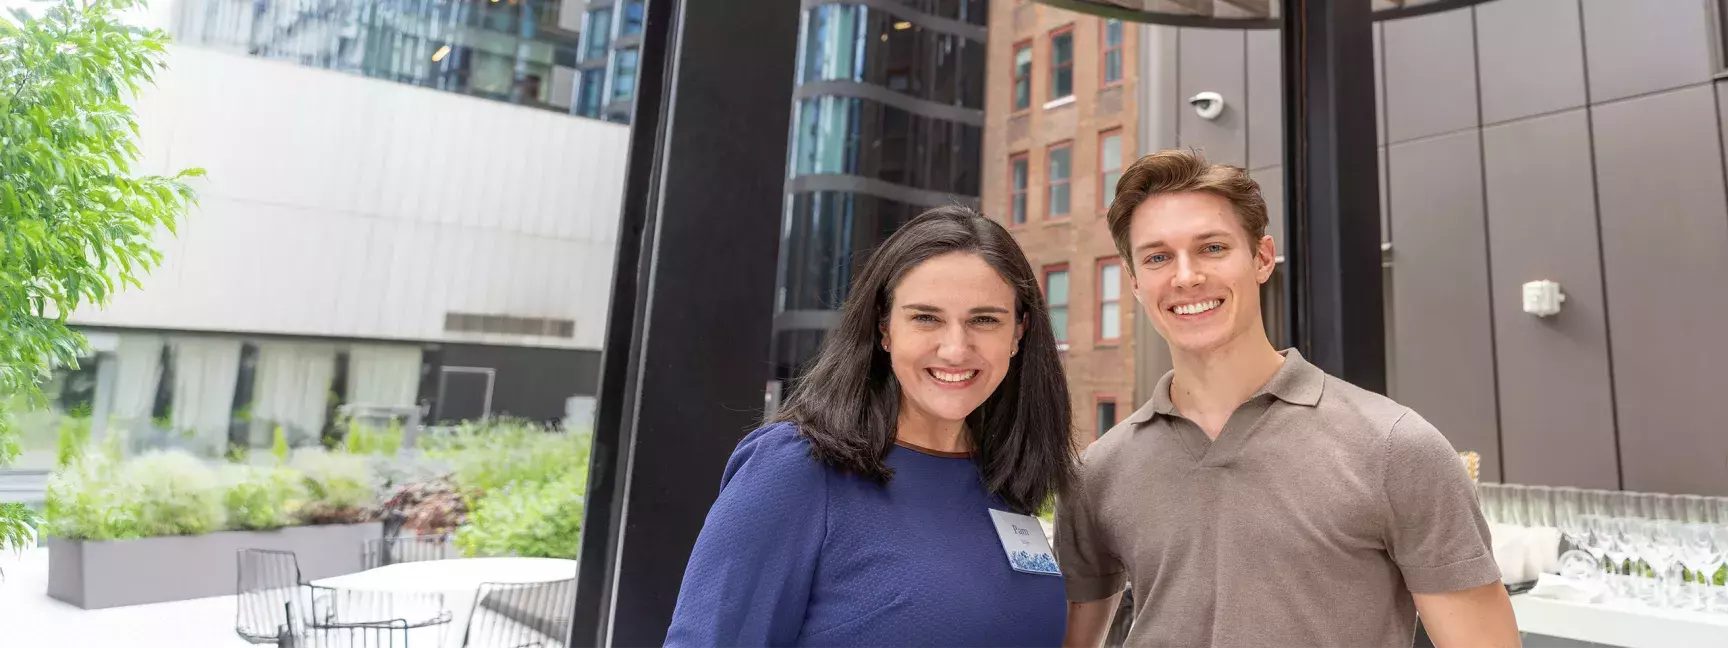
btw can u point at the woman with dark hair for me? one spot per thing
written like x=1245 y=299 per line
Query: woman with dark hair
x=889 y=503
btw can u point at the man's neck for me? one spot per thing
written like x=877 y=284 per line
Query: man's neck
x=1208 y=387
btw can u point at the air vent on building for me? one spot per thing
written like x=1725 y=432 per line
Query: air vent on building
x=509 y=325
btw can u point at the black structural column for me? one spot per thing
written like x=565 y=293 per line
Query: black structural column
x=686 y=356
x=1335 y=313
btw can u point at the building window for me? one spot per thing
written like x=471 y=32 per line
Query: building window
x=1106 y=414
x=1109 y=165
x=1058 y=172
x=632 y=18
x=1109 y=300
x=1062 y=63
x=590 y=95
x=624 y=75
x=1023 y=76
x=597 y=36
x=1017 y=174
x=1056 y=296
x=1112 y=52
x=1721 y=7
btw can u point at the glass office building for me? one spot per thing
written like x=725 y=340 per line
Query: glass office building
x=888 y=122
x=520 y=51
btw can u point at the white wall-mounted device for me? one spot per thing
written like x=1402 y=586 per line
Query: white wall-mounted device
x=1208 y=105
x=1542 y=298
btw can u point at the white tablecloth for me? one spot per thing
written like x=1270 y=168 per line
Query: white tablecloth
x=457 y=580
x=1620 y=624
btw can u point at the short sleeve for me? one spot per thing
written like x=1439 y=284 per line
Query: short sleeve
x=1435 y=529
x=1089 y=566
x=749 y=577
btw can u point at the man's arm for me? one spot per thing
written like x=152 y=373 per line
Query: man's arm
x=1479 y=617
x=1089 y=622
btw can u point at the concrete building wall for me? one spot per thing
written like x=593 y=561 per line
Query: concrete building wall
x=341 y=206
x=1098 y=370
x=1578 y=141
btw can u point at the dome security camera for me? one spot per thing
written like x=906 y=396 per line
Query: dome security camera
x=1208 y=105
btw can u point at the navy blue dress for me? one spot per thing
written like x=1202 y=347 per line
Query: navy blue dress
x=795 y=553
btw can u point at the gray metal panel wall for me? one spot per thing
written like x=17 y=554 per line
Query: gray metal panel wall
x=1645 y=46
x=1532 y=58
x=1430 y=76
x=1665 y=255
x=1215 y=60
x=1265 y=99
x=1556 y=401
x=1444 y=340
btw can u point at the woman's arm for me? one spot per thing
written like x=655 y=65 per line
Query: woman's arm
x=749 y=576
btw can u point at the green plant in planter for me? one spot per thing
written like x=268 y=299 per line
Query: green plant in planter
x=74 y=437
x=261 y=498
x=177 y=494
x=279 y=446
x=101 y=497
x=341 y=487
x=540 y=519
x=89 y=499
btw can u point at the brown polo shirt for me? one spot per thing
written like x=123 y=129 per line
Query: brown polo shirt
x=1309 y=521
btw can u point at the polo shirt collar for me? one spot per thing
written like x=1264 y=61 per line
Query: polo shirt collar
x=1298 y=382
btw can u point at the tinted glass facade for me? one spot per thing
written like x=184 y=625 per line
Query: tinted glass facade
x=520 y=51
x=888 y=122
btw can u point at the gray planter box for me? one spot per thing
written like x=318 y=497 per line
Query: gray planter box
x=95 y=575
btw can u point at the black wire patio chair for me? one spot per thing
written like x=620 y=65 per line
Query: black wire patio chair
x=521 y=615
x=335 y=608
x=267 y=586
x=377 y=634
x=393 y=549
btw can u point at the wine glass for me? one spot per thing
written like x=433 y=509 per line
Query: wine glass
x=1516 y=501
x=1661 y=549
x=1699 y=554
x=1539 y=506
x=1657 y=506
x=1615 y=539
x=1489 y=494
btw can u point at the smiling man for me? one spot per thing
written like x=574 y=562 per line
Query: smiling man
x=1256 y=500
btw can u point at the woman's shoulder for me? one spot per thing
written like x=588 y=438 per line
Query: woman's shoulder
x=776 y=451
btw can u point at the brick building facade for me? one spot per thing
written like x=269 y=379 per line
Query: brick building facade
x=1060 y=125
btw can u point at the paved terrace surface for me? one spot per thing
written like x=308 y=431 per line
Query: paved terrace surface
x=28 y=618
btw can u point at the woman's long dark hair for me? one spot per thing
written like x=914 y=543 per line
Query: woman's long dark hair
x=848 y=404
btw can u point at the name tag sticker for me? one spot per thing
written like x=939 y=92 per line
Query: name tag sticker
x=1023 y=540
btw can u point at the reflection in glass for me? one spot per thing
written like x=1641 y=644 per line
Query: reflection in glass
x=1058 y=171
x=1056 y=295
x=597 y=38
x=624 y=75
x=1062 y=65
x=1023 y=77
x=1018 y=187
x=1112 y=51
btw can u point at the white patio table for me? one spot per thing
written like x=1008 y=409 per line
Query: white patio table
x=458 y=580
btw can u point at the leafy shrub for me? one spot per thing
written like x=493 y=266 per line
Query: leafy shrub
x=261 y=498
x=492 y=455
x=100 y=497
x=342 y=487
x=540 y=519
x=176 y=494
x=279 y=446
x=74 y=437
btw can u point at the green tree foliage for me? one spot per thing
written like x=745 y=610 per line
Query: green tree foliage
x=76 y=223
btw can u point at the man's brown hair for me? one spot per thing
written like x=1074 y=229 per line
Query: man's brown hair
x=1175 y=171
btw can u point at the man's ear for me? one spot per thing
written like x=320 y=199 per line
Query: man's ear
x=1265 y=258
